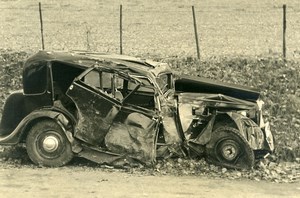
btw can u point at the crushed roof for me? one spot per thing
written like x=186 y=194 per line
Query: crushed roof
x=84 y=59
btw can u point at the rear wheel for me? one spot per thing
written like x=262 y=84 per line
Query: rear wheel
x=228 y=148
x=47 y=144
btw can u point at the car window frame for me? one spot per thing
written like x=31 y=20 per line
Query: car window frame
x=114 y=73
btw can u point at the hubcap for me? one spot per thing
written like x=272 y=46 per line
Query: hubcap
x=50 y=143
x=229 y=152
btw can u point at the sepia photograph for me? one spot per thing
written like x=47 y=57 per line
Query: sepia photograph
x=133 y=98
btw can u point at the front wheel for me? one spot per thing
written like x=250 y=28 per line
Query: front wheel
x=228 y=148
x=47 y=144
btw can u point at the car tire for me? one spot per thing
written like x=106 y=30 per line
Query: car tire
x=47 y=144
x=228 y=148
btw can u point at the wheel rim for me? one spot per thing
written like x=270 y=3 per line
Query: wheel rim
x=229 y=150
x=50 y=144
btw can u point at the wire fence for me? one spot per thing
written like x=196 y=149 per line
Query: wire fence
x=159 y=28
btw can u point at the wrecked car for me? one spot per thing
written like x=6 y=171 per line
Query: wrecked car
x=120 y=110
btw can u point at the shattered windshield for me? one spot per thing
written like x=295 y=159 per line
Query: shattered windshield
x=164 y=82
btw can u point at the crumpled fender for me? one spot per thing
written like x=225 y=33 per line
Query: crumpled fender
x=249 y=129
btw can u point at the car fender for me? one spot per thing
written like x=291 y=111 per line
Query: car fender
x=18 y=134
x=249 y=130
x=13 y=112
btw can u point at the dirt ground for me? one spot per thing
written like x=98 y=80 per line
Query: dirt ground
x=100 y=182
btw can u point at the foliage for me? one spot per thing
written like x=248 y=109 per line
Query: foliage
x=280 y=89
x=10 y=73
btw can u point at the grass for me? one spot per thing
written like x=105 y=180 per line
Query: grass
x=161 y=28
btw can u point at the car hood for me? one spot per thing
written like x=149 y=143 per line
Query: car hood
x=204 y=85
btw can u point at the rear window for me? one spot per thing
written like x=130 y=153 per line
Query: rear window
x=35 y=79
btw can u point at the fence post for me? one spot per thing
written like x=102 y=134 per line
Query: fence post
x=196 y=33
x=88 y=32
x=41 y=21
x=121 y=31
x=284 y=33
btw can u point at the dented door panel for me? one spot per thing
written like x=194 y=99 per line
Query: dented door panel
x=118 y=127
x=134 y=133
x=96 y=112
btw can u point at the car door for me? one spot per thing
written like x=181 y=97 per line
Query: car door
x=96 y=106
x=109 y=117
x=135 y=129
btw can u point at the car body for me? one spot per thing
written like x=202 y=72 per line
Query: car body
x=120 y=110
